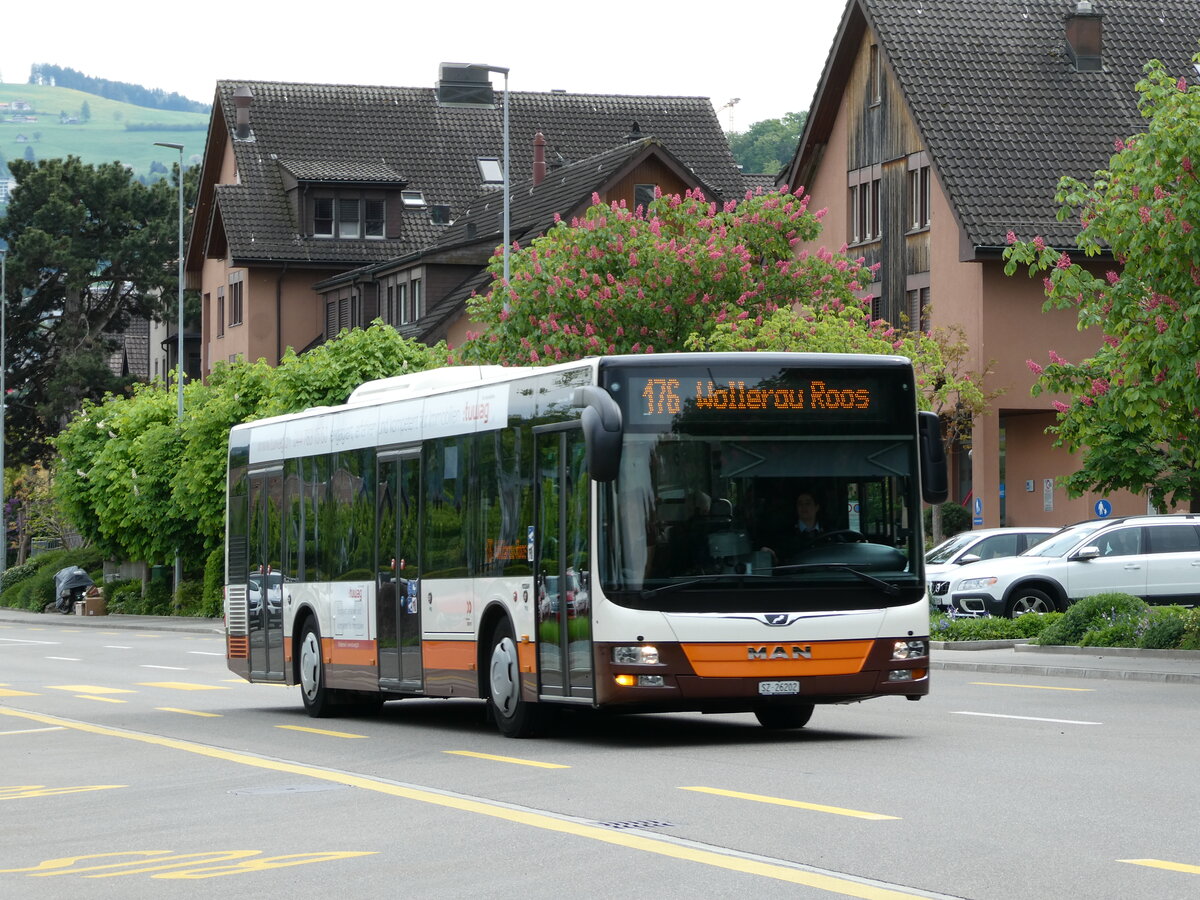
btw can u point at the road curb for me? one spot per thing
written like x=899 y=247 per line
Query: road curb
x=1068 y=672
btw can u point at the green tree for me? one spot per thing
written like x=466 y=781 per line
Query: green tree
x=90 y=247
x=631 y=281
x=1135 y=404
x=767 y=146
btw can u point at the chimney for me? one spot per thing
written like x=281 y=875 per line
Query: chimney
x=1084 y=37
x=242 y=98
x=539 y=158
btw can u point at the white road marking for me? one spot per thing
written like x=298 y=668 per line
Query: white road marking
x=65 y=658
x=170 y=668
x=961 y=712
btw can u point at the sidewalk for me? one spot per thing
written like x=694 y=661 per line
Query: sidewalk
x=183 y=624
x=1115 y=663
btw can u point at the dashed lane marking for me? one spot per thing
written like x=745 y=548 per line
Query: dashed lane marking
x=188 y=712
x=341 y=734
x=1032 y=687
x=507 y=759
x=182 y=686
x=963 y=712
x=1164 y=864
x=797 y=804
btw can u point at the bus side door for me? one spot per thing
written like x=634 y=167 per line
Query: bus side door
x=563 y=566
x=264 y=581
x=398 y=611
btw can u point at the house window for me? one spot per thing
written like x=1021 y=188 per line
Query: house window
x=412 y=199
x=323 y=217
x=373 y=224
x=490 y=170
x=916 y=302
x=348 y=217
x=220 y=308
x=402 y=303
x=865 y=225
x=643 y=195
x=415 y=298
x=439 y=214
x=236 y=299
x=874 y=78
x=918 y=191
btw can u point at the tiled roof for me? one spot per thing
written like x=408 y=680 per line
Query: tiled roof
x=997 y=98
x=336 y=170
x=404 y=134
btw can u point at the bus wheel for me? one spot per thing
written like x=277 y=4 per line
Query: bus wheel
x=318 y=699
x=515 y=717
x=795 y=716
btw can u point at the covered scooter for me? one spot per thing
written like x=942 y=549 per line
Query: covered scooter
x=69 y=587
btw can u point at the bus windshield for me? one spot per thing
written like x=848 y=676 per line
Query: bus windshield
x=751 y=506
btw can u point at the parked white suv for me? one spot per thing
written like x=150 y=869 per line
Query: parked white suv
x=1156 y=558
x=944 y=560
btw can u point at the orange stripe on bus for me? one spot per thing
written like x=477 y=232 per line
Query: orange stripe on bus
x=778 y=659
x=350 y=653
x=451 y=655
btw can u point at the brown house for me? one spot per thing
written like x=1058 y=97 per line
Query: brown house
x=389 y=199
x=936 y=129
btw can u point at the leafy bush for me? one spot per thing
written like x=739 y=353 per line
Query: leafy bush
x=124 y=596
x=1164 y=629
x=213 y=599
x=988 y=628
x=1119 y=634
x=1099 y=612
x=190 y=601
x=1191 y=630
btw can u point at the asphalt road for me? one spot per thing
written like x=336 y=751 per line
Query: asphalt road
x=136 y=766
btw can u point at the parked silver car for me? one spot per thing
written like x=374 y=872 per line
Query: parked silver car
x=971 y=546
x=1156 y=558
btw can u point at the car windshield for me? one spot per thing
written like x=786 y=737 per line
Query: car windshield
x=1059 y=543
x=946 y=550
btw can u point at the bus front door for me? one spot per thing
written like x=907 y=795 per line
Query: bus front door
x=264 y=580
x=398 y=612
x=564 y=627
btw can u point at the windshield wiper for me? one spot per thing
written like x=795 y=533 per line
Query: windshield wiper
x=702 y=579
x=887 y=587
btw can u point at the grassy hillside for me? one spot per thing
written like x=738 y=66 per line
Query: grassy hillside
x=104 y=137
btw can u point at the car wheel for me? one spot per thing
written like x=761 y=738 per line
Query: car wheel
x=779 y=717
x=514 y=716
x=1030 y=600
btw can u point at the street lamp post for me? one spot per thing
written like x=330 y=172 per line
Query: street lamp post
x=178 y=328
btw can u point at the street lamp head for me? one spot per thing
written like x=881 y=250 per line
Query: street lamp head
x=178 y=147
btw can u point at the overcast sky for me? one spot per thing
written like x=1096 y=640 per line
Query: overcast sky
x=768 y=55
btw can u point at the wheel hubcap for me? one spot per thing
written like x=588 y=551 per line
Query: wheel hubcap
x=310 y=665
x=505 y=683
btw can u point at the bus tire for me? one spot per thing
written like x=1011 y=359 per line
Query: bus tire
x=514 y=716
x=779 y=717
x=319 y=701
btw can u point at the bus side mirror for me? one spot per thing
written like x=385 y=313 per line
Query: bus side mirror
x=602 y=431
x=934 y=478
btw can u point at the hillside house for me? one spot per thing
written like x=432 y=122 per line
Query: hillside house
x=937 y=128
x=368 y=193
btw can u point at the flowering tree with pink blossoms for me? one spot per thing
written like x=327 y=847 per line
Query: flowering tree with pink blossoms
x=1135 y=412
x=617 y=280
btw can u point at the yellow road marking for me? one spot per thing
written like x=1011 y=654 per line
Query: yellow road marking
x=182 y=686
x=22 y=791
x=1032 y=687
x=7 y=692
x=188 y=712
x=89 y=689
x=778 y=801
x=100 y=699
x=507 y=759
x=730 y=862
x=189 y=865
x=342 y=734
x=1164 y=864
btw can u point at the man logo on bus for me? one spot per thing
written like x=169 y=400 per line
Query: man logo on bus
x=793 y=652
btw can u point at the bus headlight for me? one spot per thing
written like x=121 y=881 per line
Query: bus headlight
x=639 y=655
x=909 y=649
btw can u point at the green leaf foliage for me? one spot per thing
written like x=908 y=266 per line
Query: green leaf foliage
x=1134 y=411
x=767 y=146
x=1110 y=615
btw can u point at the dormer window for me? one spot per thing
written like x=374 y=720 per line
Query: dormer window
x=348 y=218
x=490 y=170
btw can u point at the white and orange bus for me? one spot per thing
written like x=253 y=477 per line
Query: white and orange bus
x=616 y=533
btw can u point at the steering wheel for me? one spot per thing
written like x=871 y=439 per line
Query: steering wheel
x=841 y=536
